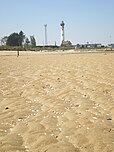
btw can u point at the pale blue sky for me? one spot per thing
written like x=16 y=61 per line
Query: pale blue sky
x=85 y=20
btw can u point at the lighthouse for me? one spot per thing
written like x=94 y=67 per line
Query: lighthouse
x=62 y=32
x=63 y=41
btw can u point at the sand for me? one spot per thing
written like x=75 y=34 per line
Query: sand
x=56 y=102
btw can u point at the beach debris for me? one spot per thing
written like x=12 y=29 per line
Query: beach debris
x=110 y=130
x=19 y=119
x=94 y=117
x=84 y=96
x=79 y=126
x=11 y=129
x=26 y=146
x=52 y=134
x=78 y=105
x=58 y=79
x=107 y=114
x=53 y=111
x=28 y=101
x=60 y=129
x=109 y=118
x=7 y=108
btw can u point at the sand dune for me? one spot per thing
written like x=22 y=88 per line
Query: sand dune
x=56 y=102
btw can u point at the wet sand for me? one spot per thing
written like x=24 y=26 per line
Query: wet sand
x=56 y=102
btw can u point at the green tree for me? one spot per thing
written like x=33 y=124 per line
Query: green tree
x=21 y=39
x=4 y=40
x=27 y=42
x=16 y=39
x=13 y=40
x=33 y=41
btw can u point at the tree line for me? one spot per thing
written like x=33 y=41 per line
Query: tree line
x=18 y=39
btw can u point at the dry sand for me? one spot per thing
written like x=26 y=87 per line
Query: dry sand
x=56 y=102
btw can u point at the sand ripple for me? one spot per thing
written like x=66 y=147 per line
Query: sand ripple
x=61 y=103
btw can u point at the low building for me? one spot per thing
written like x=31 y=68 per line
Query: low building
x=93 y=45
x=110 y=45
x=66 y=43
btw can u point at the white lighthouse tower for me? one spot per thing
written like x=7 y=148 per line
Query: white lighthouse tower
x=62 y=32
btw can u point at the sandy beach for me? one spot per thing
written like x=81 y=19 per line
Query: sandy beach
x=56 y=102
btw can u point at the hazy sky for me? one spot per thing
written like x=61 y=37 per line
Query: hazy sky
x=85 y=20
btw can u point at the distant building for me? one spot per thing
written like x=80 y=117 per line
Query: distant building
x=66 y=43
x=93 y=45
x=111 y=45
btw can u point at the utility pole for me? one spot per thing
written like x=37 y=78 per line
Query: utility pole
x=110 y=39
x=45 y=26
